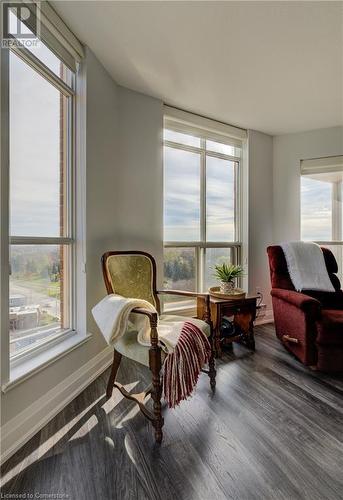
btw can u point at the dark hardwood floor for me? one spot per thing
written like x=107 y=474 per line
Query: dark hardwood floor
x=273 y=430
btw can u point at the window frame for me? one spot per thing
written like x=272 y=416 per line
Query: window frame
x=69 y=240
x=202 y=245
x=328 y=165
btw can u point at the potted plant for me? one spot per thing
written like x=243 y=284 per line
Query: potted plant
x=226 y=274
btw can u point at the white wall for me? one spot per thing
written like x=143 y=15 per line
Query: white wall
x=124 y=182
x=288 y=151
x=101 y=143
x=139 y=178
x=260 y=153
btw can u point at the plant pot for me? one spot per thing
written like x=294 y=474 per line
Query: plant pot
x=226 y=287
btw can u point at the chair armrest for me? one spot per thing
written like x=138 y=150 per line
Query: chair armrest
x=182 y=292
x=153 y=317
x=300 y=300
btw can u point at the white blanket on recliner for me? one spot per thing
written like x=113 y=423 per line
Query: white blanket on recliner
x=306 y=266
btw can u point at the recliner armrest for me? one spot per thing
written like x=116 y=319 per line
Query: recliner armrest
x=302 y=301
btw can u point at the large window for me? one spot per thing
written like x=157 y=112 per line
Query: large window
x=40 y=82
x=201 y=205
x=40 y=205
x=321 y=204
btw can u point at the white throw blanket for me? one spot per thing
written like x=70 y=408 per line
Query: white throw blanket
x=306 y=266
x=113 y=315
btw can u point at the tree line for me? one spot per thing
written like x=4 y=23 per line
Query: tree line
x=179 y=264
x=36 y=263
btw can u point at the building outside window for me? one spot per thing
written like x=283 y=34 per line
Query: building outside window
x=202 y=205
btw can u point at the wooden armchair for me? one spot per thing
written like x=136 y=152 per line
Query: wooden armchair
x=133 y=274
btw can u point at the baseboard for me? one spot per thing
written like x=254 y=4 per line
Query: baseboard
x=268 y=317
x=26 y=424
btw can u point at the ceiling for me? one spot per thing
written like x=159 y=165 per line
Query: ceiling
x=276 y=67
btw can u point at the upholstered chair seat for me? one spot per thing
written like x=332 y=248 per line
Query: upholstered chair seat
x=128 y=346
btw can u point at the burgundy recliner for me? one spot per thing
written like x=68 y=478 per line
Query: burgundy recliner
x=309 y=324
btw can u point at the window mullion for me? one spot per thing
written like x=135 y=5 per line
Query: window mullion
x=237 y=202
x=194 y=149
x=40 y=240
x=339 y=210
x=32 y=61
x=336 y=212
x=201 y=255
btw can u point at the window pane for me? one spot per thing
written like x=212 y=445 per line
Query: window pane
x=188 y=140
x=41 y=51
x=220 y=199
x=218 y=147
x=179 y=274
x=36 y=294
x=179 y=268
x=37 y=153
x=213 y=257
x=316 y=209
x=181 y=195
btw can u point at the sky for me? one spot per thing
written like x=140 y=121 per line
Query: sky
x=34 y=145
x=316 y=210
x=34 y=152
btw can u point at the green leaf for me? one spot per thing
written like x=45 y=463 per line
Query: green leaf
x=228 y=272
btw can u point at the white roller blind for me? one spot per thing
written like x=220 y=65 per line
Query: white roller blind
x=321 y=165
x=182 y=121
x=56 y=35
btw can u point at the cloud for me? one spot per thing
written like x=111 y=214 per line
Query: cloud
x=316 y=210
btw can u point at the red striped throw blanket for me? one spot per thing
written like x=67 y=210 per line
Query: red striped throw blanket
x=182 y=366
x=187 y=347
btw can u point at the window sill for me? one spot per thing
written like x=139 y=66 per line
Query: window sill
x=30 y=366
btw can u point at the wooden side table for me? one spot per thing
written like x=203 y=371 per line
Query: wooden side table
x=244 y=313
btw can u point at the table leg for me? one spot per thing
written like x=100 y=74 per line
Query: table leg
x=244 y=320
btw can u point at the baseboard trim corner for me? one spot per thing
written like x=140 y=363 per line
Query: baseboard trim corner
x=267 y=318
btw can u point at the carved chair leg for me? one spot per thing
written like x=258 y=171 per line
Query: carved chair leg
x=116 y=362
x=156 y=393
x=212 y=367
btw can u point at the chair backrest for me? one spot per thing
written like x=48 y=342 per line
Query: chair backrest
x=279 y=273
x=131 y=274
